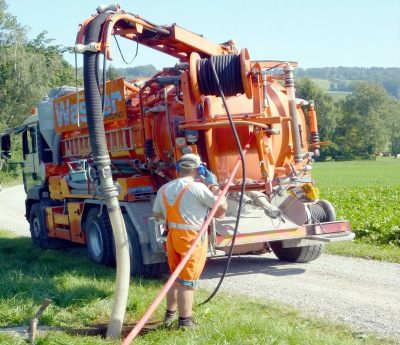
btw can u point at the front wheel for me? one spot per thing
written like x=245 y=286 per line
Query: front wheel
x=37 y=227
x=99 y=237
x=296 y=254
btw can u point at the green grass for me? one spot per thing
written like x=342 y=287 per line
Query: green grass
x=364 y=250
x=82 y=295
x=10 y=173
x=9 y=181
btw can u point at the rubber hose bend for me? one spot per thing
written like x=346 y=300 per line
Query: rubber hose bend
x=102 y=164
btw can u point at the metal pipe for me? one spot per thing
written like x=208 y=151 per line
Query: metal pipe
x=289 y=84
x=260 y=199
x=264 y=83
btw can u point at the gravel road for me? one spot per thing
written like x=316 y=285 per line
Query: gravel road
x=12 y=210
x=363 y=293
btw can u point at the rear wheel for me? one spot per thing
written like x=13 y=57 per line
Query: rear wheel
x=296 y=254
x=99 y=237
x=322 y=211
x=138 y=268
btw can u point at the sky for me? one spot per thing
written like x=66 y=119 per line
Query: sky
x=315 y=33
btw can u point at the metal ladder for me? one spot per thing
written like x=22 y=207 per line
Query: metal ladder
x=120 y=139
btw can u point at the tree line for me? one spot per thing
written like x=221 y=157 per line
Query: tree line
x=343 y=78
x=365 y=122
x=28 y=69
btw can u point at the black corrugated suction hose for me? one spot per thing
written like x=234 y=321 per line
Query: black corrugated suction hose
x=92 y=88
x=102 y=162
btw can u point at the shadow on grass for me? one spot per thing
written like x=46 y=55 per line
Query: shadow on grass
x=73 y=282
x=67 y=276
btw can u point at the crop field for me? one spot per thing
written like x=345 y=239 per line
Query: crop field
x=325 y=84
x=367 y=193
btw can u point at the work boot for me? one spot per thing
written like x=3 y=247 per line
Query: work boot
x=169 y=318
x=185 y=323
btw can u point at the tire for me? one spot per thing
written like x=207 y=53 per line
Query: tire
x=37 y=227
x=296 y=254
x=138 y=268
x=99 y=238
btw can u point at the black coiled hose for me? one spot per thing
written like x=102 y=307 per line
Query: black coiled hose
x=227 y=68
x=221 y=94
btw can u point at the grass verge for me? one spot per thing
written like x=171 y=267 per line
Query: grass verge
x=10 y=181
x=364 y=250
x=83 y=292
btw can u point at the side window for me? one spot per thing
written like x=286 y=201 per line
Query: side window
x=29 y=141
x=33 y=137
x=45 y=153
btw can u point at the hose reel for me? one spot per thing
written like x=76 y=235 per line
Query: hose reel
x=233 y=73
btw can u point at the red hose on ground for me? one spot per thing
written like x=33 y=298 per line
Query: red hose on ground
x=135 y=331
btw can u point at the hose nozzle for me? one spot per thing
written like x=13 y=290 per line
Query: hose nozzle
x=260 y=199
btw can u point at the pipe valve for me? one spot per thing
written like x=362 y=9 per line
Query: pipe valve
x=91 y=47
x=105 y=8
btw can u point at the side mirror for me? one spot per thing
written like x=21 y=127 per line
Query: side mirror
x=5 y=145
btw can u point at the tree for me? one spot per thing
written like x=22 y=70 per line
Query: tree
x=11 y=32
x=366 y=122
x=326 y=111
x=12 y=39
x=112 y=73
x=394 y=125
x=29 y=69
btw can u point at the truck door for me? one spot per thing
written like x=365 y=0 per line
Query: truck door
x=31 y=172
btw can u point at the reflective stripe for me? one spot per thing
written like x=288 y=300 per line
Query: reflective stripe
x=184 y=226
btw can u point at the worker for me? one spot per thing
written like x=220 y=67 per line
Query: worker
x=184 y=204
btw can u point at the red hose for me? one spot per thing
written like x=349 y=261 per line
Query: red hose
x=135 y=331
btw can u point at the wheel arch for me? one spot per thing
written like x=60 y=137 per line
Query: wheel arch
x=139 y=212
x=87 y=206
x=34 y=195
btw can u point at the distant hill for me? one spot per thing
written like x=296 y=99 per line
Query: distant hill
x=341 y=78
x=131 y=73
x=337 y=80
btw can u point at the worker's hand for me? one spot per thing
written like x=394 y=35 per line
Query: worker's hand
x=209 y=178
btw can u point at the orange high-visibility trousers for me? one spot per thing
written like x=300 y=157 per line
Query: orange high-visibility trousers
x=180 y=238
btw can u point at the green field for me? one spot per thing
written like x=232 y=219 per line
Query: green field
x=384 y=172
x=325 y=85
x=338 y=94
x=368 y=194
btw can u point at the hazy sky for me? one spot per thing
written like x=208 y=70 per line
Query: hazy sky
x=315 y=33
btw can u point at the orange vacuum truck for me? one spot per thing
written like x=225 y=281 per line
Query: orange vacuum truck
x=215 y=102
